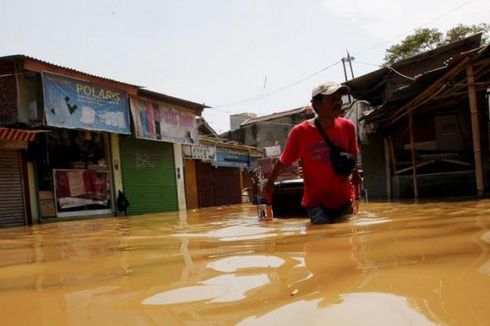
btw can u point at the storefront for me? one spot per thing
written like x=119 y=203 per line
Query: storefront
x=72 y=162
x=214 y=173
x=13 y=186
x=150 y=170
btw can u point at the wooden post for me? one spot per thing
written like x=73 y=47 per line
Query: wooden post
x=392 y=154
x=475 y=128
x=414 y=163
x=387 y=168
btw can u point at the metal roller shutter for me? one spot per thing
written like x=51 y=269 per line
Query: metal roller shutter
x=12 y=210
x=148 y=171
x=218 y=186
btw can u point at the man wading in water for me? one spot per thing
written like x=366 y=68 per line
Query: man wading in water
x=328 y=193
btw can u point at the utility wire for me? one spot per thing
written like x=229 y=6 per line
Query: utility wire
x=280 y=89
x=277 y=90
x=425 y=24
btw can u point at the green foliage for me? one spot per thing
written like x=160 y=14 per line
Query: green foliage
x=425 y=39
x=462 y=31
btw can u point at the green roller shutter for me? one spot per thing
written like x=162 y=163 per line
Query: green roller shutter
x=148 y=172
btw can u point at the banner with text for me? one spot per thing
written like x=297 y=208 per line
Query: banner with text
x=231 y=158
x=72 y=103
x=199 y=152
x=162 y=122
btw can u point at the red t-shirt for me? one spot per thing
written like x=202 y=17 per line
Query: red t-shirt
x=322 y=186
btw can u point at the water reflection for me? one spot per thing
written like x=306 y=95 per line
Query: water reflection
x=395 y=263
x=225 y=288
x=353 y=309
x=232 y=264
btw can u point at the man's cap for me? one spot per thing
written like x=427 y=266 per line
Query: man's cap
x=328 y=88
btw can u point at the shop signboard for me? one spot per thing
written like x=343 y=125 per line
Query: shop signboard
x=231 y=158
x=200 y=152
x=162 y=122
x=81 y=190
x=76 y=104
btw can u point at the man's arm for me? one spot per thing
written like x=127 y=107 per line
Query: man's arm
x=269 y=186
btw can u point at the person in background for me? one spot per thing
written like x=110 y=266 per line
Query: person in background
x=327 y=195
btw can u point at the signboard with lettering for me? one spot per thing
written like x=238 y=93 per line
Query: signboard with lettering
x=199 y=152
x=72 y=103
x=157 y=121
x=229 y=157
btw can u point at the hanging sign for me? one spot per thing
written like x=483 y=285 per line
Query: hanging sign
x=228 y=157
x=199 y=152
x=162 y=122
x=72 y=103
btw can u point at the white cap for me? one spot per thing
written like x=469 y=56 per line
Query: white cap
x=328 y=88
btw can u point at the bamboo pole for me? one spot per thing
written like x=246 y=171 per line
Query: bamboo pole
x=475 y=128
x=387 y=167
x=414 y=164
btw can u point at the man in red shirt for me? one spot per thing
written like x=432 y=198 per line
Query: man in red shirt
x=327 y=195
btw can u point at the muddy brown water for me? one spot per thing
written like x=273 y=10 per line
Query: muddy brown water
x=393 y=264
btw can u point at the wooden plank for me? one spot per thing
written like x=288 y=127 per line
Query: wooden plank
x=387 y=167
x=475 y=126
x=414 y=162
x=412 y=104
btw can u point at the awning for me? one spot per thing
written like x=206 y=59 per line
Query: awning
x=11 y=138
x=7 y=134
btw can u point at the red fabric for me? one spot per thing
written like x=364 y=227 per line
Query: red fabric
x=322 y=186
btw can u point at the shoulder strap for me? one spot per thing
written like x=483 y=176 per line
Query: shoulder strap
x=324 y=134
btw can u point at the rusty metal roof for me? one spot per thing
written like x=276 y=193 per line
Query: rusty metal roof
x=372 y=86
x=23 y=57
x=140 y=89
x=171 y=99
x=452 y=88
x=306 y=109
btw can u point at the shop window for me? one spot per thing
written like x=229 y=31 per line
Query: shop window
x=72 y=166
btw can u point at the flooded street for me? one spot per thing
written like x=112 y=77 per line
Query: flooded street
x=394 y=264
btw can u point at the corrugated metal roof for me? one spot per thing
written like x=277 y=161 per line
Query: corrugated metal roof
x=140 y=89
x=171 y=99
x=371 y=86
x=277 y=115
x=403 y=95
x=23 y=57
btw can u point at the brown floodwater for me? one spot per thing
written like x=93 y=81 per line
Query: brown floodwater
x=393 y=264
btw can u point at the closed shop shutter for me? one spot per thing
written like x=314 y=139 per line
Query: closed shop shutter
x=218 y=186
x=12 y=210
x=148 y=172
x=228 y=186
x=205 y=184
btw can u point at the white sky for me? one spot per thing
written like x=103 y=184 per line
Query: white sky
x=219 y=51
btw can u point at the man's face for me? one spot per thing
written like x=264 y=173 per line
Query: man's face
x=329 y=105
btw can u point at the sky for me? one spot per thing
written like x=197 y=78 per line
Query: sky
x=257 y=56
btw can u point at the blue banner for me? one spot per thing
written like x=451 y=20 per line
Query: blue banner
x=230 y=158
x=76 y=104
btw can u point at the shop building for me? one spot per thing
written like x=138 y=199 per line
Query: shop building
x=79 y=150
x=152 y=161
x=216 y=170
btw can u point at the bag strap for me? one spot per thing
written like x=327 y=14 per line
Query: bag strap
x=324 y=134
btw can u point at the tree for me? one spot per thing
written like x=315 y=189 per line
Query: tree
x=425 y=39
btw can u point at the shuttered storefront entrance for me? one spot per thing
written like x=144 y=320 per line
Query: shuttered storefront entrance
x=12 y=210
x=218 y=186
x=148 y=172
